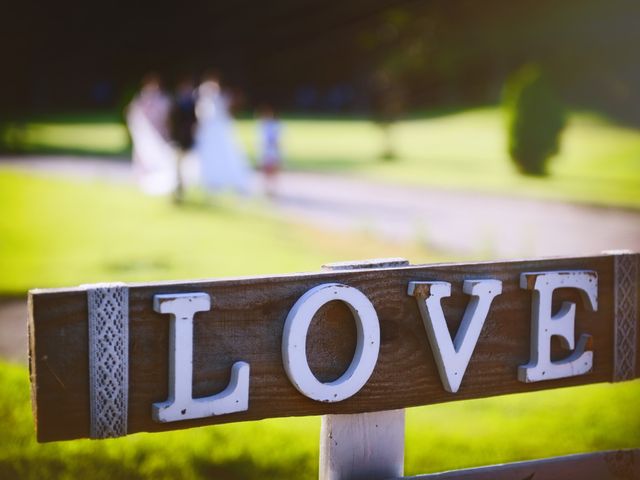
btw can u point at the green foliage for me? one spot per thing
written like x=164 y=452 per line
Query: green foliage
x=438 y=437
x=536 y=118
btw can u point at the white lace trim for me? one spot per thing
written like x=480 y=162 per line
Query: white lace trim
x=626 y=314
x=108 y=307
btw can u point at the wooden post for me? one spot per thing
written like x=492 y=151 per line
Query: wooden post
x=363 y=445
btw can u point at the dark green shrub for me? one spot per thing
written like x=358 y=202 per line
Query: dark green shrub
x=536 y=117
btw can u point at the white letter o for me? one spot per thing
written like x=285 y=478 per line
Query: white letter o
x=294 y=343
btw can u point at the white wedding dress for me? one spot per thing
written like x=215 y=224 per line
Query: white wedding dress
x=223 y=164
x=154 y=160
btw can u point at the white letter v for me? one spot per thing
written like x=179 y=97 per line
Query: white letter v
x=452 y=357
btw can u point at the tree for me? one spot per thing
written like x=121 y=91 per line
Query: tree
x=388 y=104
x=535 y=119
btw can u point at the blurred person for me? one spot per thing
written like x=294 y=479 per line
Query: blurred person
x=147 y=119
x=183 y=124
x=270 y=156
x=223 y=164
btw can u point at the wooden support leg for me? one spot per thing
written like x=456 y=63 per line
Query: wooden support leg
x=362 y=446
x=365 y=445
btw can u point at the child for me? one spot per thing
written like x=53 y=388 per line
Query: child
x=270 y=155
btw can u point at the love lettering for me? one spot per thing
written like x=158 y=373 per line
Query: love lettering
x=452 y=356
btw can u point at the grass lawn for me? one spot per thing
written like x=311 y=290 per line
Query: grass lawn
x=96 y=134
x=58 y=232
x=62 y=233
x=438 y=437
x=599 y=162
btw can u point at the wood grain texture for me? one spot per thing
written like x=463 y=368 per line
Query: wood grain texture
x=610 y=465
x=246 y=322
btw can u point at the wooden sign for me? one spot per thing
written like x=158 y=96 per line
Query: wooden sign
x=107 y=360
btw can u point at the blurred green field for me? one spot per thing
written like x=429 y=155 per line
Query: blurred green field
x=57 y=233
x=438 y=437
x=599 y=161
x=95 y=134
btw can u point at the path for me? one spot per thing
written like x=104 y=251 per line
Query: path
x=462 y=223
x=469 y=224
x=459 y=223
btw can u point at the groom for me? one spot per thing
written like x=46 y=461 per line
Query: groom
x=182 y=128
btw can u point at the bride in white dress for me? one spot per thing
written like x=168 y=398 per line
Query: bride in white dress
x=154 y=161
x=223 y=164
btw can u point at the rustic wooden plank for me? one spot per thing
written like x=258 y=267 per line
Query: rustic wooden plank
x=246 y=321
x=609 y=465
